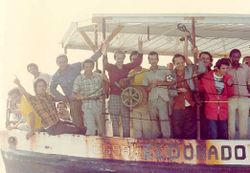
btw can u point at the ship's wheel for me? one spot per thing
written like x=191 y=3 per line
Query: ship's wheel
x=131 y=97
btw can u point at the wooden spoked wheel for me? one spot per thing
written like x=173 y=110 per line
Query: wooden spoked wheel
x=133 y=96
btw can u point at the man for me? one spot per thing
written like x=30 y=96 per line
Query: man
x=240 y=100
x=63 y=111
x=117 y=72
x=207 y=59
x=33 y=69
x=217 y=88
x=44 y=105
x=155 y=80
x=246 y=60
x=29 y=119
x=64 y=77
x=15 y=117
x=183 y=103
x=89 y=89
x=140 y=116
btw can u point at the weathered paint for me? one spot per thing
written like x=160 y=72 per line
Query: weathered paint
x=30 y=162
x=210 y=152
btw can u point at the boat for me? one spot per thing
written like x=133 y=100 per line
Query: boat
x=163 y=33
x=78 y=153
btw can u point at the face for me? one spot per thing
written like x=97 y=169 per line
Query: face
x=15 y=98
x=88 y=67
x=40 y=88
x=170 y=66
x=132 y=58
x=33 y=70
x=206 y=59
x=247 y=61
x=235 y=56
x=179 y=63
x=119 y=58
x=61 y=107
x=62 y=63
x=223 y=69
x=153 y=60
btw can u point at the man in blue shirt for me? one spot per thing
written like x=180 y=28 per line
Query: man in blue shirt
x=64 y=77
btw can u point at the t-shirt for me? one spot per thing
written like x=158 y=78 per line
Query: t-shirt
x=116 y=74
x=137 y=76
x=26 y=108
x=159 y=91
x=219 y=84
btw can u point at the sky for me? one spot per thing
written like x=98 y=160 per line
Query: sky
x=30 y=30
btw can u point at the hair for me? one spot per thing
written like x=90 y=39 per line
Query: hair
x=119 y=52
x=37 y=81
x=245 y=58
x=222 y=61
x=234 y=51
x=178 y=55
x=98 y=71
x=32 y=65
x=153 y=53
x=14 y=91
x=134 y=52
x=62 y=103
x=61 y=56
x=88 y=61
x=207 y=53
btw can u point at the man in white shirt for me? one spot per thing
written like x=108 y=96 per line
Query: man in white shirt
x=155 y=80
x=33 y=69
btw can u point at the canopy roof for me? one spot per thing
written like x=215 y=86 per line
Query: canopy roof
x=215 y=33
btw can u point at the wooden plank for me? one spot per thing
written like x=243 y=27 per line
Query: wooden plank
x=87 y=40
x=114 y=33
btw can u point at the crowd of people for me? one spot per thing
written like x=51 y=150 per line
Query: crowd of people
x=176 y=97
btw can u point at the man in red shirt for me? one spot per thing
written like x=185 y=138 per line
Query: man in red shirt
x=116 y=72
x=217 y=88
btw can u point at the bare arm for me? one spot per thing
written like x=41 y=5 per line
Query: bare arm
x=188 y=61
x=21 y=88
x=105 y=61
x=55 y=92
x=76 y=96
x=164 y=83
x=248 y=80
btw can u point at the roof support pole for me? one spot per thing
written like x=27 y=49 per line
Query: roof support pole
x=96 y=44
x=103 y=37
x=185 y=47
x=103 y=29
x=196 y=79
x=194 y=39
x=103 y=72
x=65 y=50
